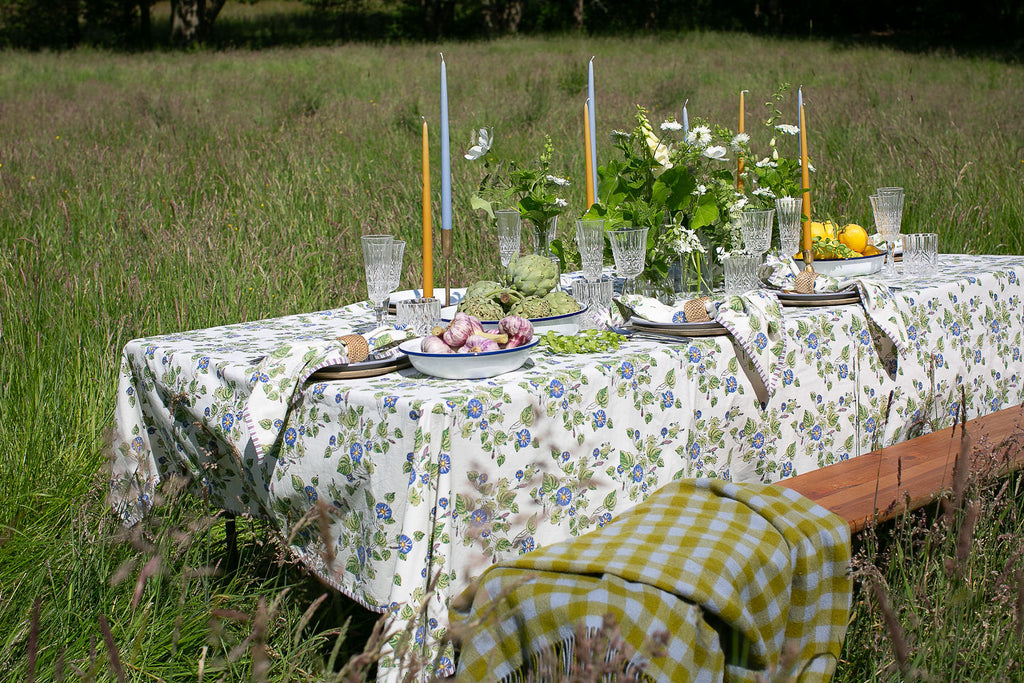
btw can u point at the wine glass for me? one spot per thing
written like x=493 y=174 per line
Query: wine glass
x=756 y=225
x=590 y=240
x=377 y=257
x=629 y=247
x=788 y=210
x=509 y=234
x=888 y=210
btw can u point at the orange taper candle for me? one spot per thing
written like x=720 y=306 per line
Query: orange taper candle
x=805 y=181
x=739 y=162
x=428 y=233
x=588 y=155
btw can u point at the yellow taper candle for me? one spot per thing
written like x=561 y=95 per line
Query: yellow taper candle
x=428 y=233
x=739 y=156
x=588 y=155
x=805 y=182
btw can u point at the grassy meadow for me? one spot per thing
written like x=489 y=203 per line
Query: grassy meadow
x=151 y=193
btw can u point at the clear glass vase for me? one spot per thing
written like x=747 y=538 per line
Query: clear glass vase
x=543 y=234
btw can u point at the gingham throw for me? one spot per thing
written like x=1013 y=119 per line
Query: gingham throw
x=730 y=573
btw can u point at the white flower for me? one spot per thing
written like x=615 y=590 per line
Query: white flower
x=810 y=166
x=689 y=242
x=787 y=128
x=561 y=182
x=482 y=146
x=738 y=205
x=738 y=140
x=700 y=190
x=621 y=135
x=715 y=152
x=766 y=163
x=671 y=125
x=764 y=192
x=561 y=203
x=701 y=136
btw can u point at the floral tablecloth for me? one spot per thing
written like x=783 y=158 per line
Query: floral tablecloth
x=390 y=483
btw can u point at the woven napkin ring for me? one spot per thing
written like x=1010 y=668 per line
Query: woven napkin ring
x=356 y=347
x=805 y=282
x=696 y=310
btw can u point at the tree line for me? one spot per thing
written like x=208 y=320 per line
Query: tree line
x=37 y=24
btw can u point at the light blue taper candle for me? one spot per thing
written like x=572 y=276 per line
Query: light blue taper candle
x=593 y=124
x=686 y=119
x=446 y=160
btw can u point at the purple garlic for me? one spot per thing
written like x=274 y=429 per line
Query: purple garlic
x=434 y=344
x=518 y=329
x=479 y=343
x=460 y=329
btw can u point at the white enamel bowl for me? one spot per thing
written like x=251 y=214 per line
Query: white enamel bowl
x=567 y=323
x=848 y=267
x=466 y=365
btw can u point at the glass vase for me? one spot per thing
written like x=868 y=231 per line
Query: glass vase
x=543 y=234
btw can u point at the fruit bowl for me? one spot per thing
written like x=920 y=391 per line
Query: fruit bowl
x=848 y=267
x=466 y=365
x=566 y=323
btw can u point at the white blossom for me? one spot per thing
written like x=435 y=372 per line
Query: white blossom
x=764 y=192
x=561 y=182
x=700 y=136
x=482 y=146
x=738 y=141
x=689 y=242
x=561 y=203
x=715 y=152
x=671 y=125
x=766 y=163
x=787 y=128
x=810 y=166
x=700 y=190
x=621 y=135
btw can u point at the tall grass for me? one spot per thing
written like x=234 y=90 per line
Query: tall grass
x=146 y=194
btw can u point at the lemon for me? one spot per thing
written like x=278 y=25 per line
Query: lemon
x=854 y=236
x=823 y=230
x=871 y=250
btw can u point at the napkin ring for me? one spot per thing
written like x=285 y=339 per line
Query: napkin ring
x=696 y=310
x=357 y=348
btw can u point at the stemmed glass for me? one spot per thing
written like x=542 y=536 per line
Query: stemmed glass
x=756 y=225
x=590 y=240
x=509 y=234
x=629 y=247
x=887 y=207
x=788 y=210
x=382 y=263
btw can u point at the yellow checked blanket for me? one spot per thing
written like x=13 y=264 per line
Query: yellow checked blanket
x=705 y=581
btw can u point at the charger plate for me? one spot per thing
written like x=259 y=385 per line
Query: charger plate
x=710 y=328
x=367 y=368
x=840 y=298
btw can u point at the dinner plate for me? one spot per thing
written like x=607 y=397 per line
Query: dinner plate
x=566 y=323
x=848 y=267
x=846 y=296
x=709 y=328
x=466 y=365
x=367 y=368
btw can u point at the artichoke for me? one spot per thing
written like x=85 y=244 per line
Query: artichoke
x=533 y=274
x=561 y=303
x=482 y=308
x=531 y=307
x=482 y=288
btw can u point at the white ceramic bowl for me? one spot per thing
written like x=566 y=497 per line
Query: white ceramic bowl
x=466 y=365
x=848 y=267
x=567 y=323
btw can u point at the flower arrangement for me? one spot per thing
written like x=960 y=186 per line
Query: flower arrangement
x=681 y=185
x=535 y=192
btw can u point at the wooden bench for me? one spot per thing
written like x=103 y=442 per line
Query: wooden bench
x=885 y=483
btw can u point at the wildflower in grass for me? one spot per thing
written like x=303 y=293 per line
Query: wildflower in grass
x=699 y=136
x=787 y=129
x=555 y=180
x=716 y=152
x=739 y=141
x=671 y=125
x=482 y=146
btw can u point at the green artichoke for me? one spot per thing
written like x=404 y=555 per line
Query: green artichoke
x=482 y=288
x=531 y=307
x=561 y=303
x=533 y=274
x=482 y=308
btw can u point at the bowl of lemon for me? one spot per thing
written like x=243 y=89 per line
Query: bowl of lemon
x=843 y=251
